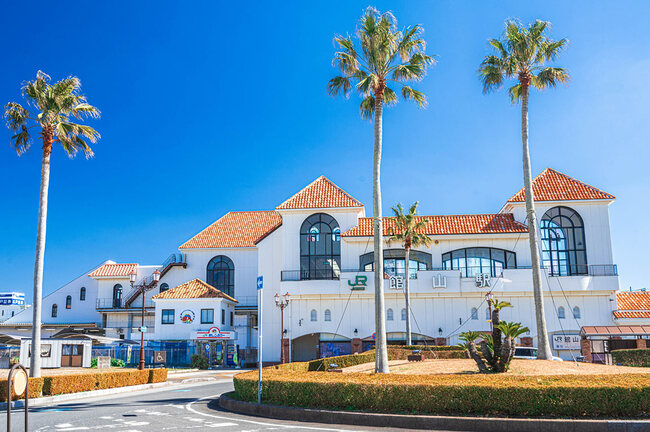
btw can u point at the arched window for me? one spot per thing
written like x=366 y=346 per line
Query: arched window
x=82 y=294
x=576 y=312
x=320 y=247
x=117 y=296
x=68 y=302
x=474 y=314
x=403 y=314
x=221 y=274
x=564 y=251
x=55 y=309
x=560 y=313
x=389 y=314
x=487 y=314
x=479 y=260
x=313 y=315
x=328 y=315
x=163 y=287
x=394 y=262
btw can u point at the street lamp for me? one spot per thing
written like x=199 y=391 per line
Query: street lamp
x=282 y=303
x=143 y=289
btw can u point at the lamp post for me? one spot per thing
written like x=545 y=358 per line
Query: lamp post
x=282 y=302
x=143 y=289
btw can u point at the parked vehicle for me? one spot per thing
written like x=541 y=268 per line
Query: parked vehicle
x=529 y=354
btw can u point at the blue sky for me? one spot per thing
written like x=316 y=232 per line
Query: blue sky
x=210 y=107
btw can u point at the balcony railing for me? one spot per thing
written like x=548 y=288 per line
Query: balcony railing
x=175 y=258
x=110 y=303
x=298 y=275
x=567 y=270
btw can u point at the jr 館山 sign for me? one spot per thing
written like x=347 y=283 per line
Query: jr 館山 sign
x=214 y=333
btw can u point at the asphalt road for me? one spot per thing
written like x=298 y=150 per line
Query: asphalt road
x=183 y=407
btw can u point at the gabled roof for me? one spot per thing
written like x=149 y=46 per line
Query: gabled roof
x=633 y=304
x=114 y=270
x=236 y=229
x=321 y=193
x=194 y=289
x=551 y=185
x=444 y=225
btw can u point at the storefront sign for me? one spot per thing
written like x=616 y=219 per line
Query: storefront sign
x=566 y=342
x=396 y=282
x=483 y=280
x=359 y=284
x=187 y=316
x=214 y=333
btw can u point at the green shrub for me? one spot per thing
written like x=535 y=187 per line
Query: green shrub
x=429 y=347
x=35 y=389
x=632 y=357
x=114 y=363
x=623 y=395
x=199 y=361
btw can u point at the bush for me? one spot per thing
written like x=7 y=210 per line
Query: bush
x=632 y=357
x=504 y=395
x=114 y=363
x=35 y=389
x=157 y=375
x=62 y=384
x=429 y=347
x=199 y=361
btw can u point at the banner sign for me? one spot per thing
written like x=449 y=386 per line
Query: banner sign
x=214 y=333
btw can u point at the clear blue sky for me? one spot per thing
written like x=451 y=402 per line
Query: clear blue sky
x=210 y=107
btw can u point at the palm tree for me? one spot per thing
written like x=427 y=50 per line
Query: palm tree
x=521 y=55
x=50 y=107
x=386 y=56
x=408 y=230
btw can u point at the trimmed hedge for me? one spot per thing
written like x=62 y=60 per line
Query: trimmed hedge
x=35 y=389
x=632 y=357
x=62 y=384
x=429 y=347
x=525 y=396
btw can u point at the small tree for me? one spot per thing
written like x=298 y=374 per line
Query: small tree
x=408 y=230
x=497 y=348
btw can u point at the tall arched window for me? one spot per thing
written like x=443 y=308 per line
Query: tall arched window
x=328 y=315
x=68 y=302
x=474 y=314
x=403 y=314
x=163 y=287
x=221 y=274
x=313 y=315
x=564 y=251
x=576 y=312
x=82 y=294
x=320 y=247
x=54 y=310
x=117 y=296
x=560 y=313
x=389 y=314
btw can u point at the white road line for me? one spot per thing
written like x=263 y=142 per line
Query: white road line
x=189 y=408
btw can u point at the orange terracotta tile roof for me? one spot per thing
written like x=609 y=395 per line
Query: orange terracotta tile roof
x=551 y=185
x=236 y=229
x=114 y=270
x=634 y=304
x=194 y=289
x=321 y=193
x=452 y=224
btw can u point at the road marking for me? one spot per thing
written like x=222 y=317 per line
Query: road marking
x=62 y=425
x=189 y=408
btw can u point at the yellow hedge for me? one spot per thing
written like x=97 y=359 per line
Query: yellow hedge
x=62 y=384
x=35 y=389
x=506 y=395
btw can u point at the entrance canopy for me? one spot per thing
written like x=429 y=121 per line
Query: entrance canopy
x=613 y=331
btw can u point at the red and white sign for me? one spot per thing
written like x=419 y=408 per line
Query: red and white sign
x=215 y=333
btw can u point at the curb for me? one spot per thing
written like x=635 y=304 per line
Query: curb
x=450 y=423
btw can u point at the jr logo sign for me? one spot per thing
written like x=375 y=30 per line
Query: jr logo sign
x=359 y=283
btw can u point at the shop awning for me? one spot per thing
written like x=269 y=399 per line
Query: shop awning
x=610 y=331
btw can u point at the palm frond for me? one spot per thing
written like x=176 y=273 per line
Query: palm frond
x=390 y=98
x=339 y=84
x=515 y=93
x=367 y=107
x=410 y=94
x=550 y=77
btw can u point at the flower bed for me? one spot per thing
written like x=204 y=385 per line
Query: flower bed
x=74 y=383
x=505 y=395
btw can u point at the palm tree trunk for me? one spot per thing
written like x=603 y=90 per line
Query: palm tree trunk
x=381 y=352
x=543 y=347
x=35 y=363
x=406 y=293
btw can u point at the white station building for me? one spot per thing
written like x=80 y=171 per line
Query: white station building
x=317 y=246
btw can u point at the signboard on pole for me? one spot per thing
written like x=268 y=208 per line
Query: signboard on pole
x=566 y=342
